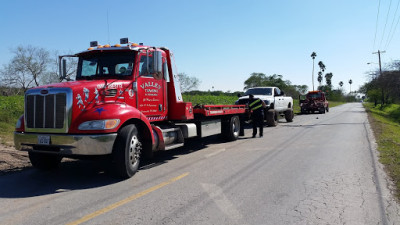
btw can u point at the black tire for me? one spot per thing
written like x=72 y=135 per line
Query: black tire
x=126 y=152
x=272 y=118
x=289 y=115
x=231 y=128
x=44 y=161
x=322 y=110
x=327 y=108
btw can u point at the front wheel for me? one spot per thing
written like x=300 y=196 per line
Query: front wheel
x=327 y=108
x=289 y=115
x=272 y=118
x=44 y=161
x=126 y=151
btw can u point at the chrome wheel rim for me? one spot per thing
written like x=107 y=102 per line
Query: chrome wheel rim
x=134 y=151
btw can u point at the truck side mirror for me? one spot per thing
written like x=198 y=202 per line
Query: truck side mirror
x=157 y=64
x=62 y=67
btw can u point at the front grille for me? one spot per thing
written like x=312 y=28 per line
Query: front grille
x=46 y=111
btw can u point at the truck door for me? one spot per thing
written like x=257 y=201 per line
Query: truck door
x=279 y=100
x=151 y=90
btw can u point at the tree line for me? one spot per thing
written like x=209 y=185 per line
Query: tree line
x=29 y=67
x=383 y=87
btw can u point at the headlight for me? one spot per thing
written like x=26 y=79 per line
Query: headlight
x=19 y=123
x=99 y=124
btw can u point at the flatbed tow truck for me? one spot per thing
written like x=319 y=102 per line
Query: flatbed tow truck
x=125 y=103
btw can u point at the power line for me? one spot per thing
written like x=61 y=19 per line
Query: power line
x=384 y=29
x=391 y=27
x=398 y=20
x=376 y=25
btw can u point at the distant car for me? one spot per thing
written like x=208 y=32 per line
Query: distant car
x=314 y=101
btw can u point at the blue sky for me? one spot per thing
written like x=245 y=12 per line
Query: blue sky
x=219 y=42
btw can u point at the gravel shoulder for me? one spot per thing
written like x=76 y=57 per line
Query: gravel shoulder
x=12 y=160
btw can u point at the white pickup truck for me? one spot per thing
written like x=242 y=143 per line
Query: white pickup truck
x=277 y=103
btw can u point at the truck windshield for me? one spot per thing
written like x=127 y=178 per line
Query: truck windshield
x=314 y=95
x=109 y=64
x=259 y=91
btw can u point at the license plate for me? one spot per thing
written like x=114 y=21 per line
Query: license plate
x=43 y=140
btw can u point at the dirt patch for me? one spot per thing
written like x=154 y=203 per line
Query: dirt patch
x=12 y=160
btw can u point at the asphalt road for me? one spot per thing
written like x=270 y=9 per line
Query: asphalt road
x=320 y=169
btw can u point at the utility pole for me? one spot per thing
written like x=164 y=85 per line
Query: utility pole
x=380 y=73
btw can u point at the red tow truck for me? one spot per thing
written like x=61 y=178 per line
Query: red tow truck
x=124 y=104
x=314 y=101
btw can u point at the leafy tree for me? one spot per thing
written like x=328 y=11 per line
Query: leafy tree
x=341 y=84
x=301 y=89
x=26 y=67
x=260 y=80
x=255 y=80
x=275 y=80
x=53 y=73
x=187 y=82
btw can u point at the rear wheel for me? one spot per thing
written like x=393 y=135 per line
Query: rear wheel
x=126 y=152
x=327 y=108
x=44 y=161
x=231 y=128
x=272 y=118
x=289 y=115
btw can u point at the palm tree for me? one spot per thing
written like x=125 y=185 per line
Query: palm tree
x=350 y=82
x=322 y=68
x=328 y=80
x=313 y=55
x=319 y=78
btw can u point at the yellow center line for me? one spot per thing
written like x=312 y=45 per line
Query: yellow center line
x=126 y=200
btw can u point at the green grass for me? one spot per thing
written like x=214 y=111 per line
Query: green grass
x=11 y=108
x=210 y=99
x=385 y=122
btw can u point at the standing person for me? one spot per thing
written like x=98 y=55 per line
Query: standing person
x=256 y=107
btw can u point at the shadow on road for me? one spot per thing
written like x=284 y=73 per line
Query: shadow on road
x=72 y=175
x=83 y=174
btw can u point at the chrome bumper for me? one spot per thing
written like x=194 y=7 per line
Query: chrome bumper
x=62 y=144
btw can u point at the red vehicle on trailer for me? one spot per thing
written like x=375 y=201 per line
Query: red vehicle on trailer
x=126 y=102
